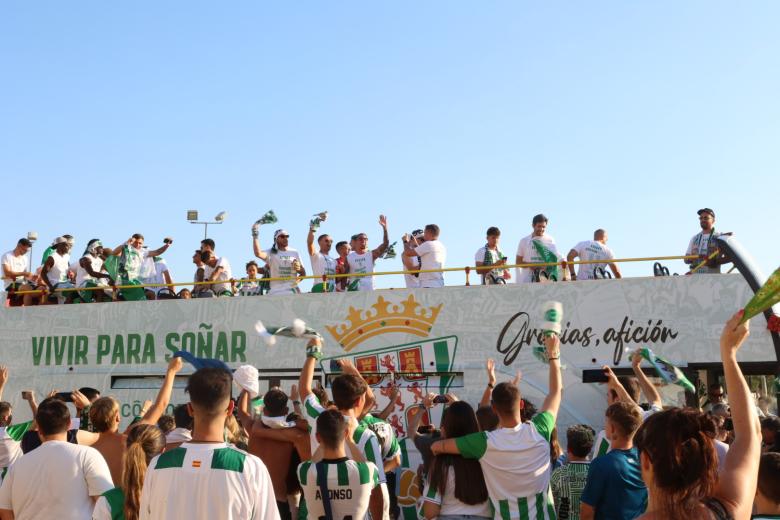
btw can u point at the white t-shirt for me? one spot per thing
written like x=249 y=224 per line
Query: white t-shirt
x=17 y=264
x=207 y=481
x=59 y=270
x=433 y=255
x=56 y=480
x=322 y=264
x=412 y=281
x=516 y=465
x=528 y=252
x=362 y=264
x=224 y=276
x=592 y=250
x=349 y=485
x=449 y=504
x=722 y=449
x=281 y=265
x=494 y=256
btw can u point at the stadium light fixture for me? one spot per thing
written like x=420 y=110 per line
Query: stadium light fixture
x=192 y=217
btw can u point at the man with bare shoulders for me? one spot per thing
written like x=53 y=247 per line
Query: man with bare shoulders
x=276 y=441
x=105 y=417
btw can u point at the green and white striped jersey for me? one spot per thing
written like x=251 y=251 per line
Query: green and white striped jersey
x=349 y=486
x=390 y=448
x=365 y=439
x=205 y=481
x=516 y=465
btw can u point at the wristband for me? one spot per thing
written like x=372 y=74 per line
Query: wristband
x=296 y=403
x=314 y=351
x=491 y=385
x=553 y=358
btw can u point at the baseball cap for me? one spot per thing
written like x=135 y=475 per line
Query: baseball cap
x=60 y=240
x=280 y=232
x=706 y=210
x=417 y=233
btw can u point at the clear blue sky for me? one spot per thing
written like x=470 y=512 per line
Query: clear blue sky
x=116 y=119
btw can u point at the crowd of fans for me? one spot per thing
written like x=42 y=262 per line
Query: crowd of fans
x=142 y=273
x=335 y=456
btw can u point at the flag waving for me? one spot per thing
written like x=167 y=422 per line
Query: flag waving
x=668 y=372
x=764 y=298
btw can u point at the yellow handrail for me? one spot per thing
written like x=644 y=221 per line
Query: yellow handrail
x=324 y=278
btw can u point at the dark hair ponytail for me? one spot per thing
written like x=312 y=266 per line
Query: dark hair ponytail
x=680 y=445
x=459 y=419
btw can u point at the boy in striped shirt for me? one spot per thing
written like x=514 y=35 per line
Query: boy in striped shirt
x=350 y=393
x=347 y=483
x=515 y=458
x=206 y=478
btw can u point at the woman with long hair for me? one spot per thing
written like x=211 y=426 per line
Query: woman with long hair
x=144 y=442
x=678 y=457
x=456 y=487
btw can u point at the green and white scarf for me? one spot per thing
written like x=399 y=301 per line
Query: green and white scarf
x=548 y=257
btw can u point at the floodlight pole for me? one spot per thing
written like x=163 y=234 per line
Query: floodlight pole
x=205 y=227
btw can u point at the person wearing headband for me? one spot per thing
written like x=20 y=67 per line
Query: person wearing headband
x=283 y=262
x=90 y=273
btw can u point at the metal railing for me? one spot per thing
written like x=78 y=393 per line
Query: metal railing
x=325 y=278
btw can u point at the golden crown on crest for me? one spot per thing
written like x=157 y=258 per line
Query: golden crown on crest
x=385 y=318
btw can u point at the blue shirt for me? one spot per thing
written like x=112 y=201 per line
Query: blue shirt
x=615 y=488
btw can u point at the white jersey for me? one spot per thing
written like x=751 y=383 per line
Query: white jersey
x=348 y=484
x=365 y=439
x=412 y=280
x=433 y=255
x=59 y=271
x=224 y=276
x=516 y=465
x=592 y=250
x=530 y=254
x=449 y=504
x=55 y=480
x=17 y=264
x=82 y=276
x=322 y=264
x=281 y=265
x=361 y=264
x=207 y=481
